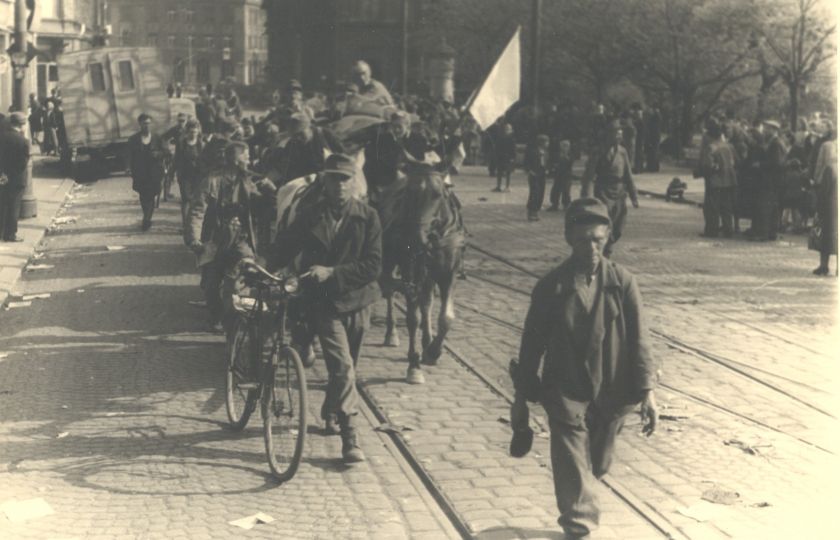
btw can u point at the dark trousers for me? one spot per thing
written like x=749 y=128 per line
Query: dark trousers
x=562 y=186
x=718 y=211
x=10 y=197
x=580 y=456
x=212 y=276
x=652 y=154
x=766 y=221
x=147 y=204
x=503 y=171
x=536 y=193
x=614 y=196
x=341 y=336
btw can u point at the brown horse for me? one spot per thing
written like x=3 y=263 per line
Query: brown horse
x=423 y=240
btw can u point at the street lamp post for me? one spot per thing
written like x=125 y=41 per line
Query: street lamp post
x=20 y=65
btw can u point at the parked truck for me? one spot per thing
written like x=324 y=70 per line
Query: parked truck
x=103 y=92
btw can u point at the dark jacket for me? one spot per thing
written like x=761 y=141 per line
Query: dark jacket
x=533 y=164
x=614 y=367
x=14 y=156
x=307 y=157
x=355 y=253
x=506 y=149
x=773 y=165
x=146 y=163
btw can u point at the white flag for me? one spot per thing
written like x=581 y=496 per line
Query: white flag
x=501 y=88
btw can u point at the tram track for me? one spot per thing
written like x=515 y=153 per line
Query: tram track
x=726 y=363
x=644 y=510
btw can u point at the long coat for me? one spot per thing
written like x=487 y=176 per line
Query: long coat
x=14 y=156
x=612 y=369
x=354 y=251
x=146 y=163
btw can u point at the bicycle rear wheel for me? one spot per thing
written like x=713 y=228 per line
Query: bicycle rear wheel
x=284 y=415
x=241 y=388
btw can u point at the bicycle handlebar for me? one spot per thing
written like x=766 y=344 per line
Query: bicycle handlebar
x=253 y=266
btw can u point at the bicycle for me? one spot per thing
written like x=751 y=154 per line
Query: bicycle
x=276 y=379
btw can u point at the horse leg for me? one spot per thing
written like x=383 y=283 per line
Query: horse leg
x=431 y=354
x=426 y=300
x=414 y=374
x=392 y=336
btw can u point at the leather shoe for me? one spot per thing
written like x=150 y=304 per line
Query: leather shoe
x=521 y=442
x=331 y=426
x=350 y=450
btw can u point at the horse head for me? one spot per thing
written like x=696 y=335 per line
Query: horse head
x=425 y=203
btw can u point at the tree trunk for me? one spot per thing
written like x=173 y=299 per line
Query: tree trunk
x=793 y=88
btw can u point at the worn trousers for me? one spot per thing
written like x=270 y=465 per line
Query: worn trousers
x=10 y=197
x=341 y=336
x=536 y=192
x=147 y=204
x=766 y=221
x=562 y=186
x=580 y=455
x=718 y=210
x=614 y=196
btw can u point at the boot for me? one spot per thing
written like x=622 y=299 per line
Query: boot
x=350 y=450
x=331 y=426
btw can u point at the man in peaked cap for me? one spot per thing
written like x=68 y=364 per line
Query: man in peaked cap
x=585 y=326
x=610 y=168
x=340 y=244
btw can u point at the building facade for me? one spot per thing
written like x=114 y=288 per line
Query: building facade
x=316 y=41
x=201 y=41
x=58 y=25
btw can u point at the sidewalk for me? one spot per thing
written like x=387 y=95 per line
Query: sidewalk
x=649 y=184
x=50 y=191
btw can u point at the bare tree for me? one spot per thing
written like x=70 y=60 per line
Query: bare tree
x=797 y=36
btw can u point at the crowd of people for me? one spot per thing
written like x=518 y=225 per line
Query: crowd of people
x=228 y=167
x=46 y=123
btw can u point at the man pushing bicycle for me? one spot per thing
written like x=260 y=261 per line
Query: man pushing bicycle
x=339 y=241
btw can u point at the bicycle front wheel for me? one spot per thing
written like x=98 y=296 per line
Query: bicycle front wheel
x=284 y=415
x=241 y=388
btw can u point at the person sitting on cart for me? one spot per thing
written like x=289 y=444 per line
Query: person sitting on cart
x=221 y=227
x=339 y=241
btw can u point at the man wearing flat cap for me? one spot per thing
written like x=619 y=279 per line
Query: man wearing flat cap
x=611 y=170
x=339 y=240
x=585 y=326
x=14 y=157
x=307 y=149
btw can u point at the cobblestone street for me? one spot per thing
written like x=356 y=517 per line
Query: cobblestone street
x=112 y=405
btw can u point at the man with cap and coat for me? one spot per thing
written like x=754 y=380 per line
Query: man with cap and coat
x=146 y=153
x=14 y=156
x=611 y=170
x=339 y=241
x=306 y=150
x=369 y=88
x=586 y=327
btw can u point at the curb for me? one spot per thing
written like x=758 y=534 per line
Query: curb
x=11 y=274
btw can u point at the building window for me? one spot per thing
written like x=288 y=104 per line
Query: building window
x=170 y=15
x=126 y=76
x=210 y=42
x=226 y=42
x=189 y=16
x=202 y=70
x=152 y=40
x=53 y=72
x=97 y=77
x=189 y=42
x=126 y=37
x=170 y=41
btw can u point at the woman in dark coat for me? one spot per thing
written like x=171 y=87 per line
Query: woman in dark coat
x=825 y=179
x=145 y=160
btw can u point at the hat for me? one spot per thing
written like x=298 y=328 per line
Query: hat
x=17 y=119
x=772 y=123
x=340 y=165
x=586 y=211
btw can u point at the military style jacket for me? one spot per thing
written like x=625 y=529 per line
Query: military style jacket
x=606 y=361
